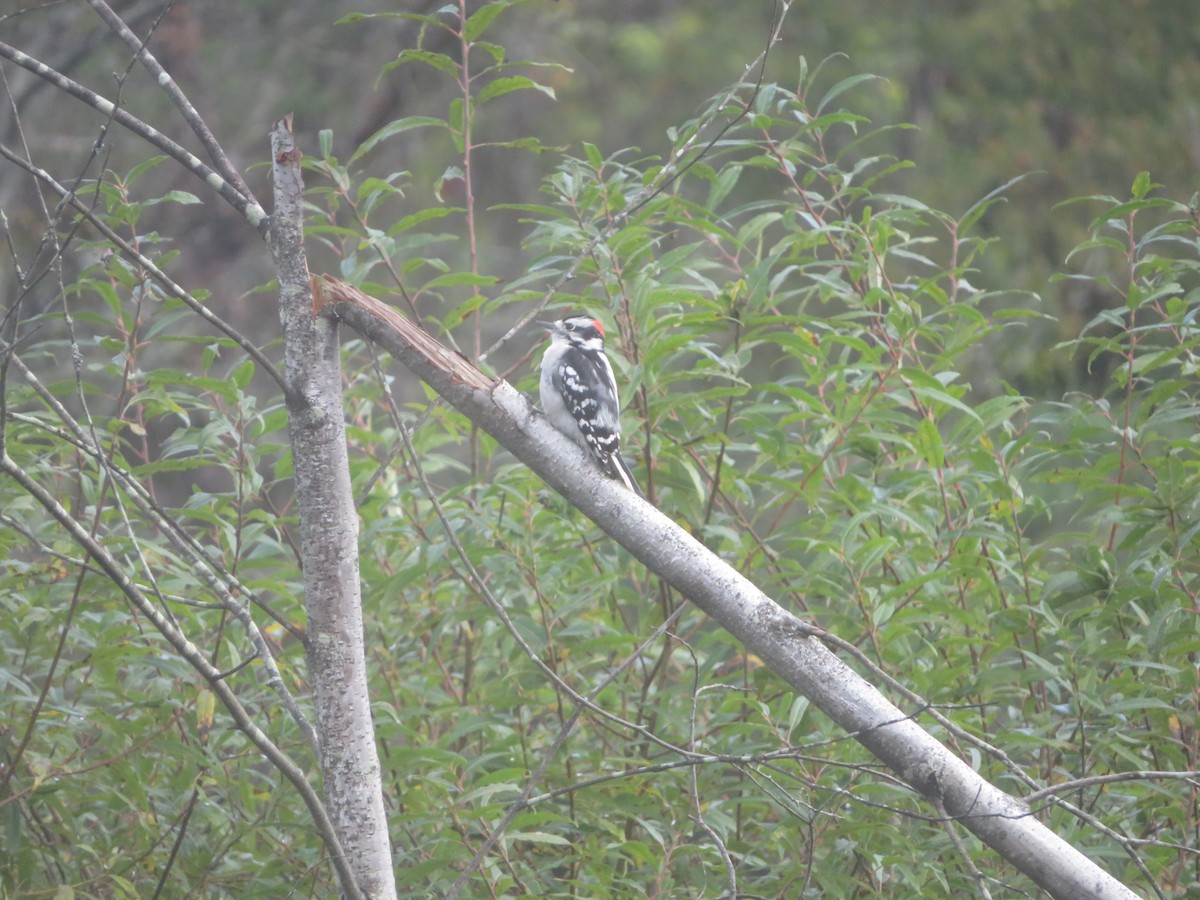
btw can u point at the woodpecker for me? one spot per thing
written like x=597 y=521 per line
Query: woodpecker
x=579 y=393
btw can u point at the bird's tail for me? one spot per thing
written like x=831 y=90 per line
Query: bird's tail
x=619 y=469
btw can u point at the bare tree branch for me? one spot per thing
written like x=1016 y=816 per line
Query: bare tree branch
x=214 y=150
x=247 y=206
x=1075 y=784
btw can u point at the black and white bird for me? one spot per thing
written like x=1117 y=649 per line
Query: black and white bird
x=579 y=393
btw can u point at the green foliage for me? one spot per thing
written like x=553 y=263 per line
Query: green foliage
x=107 y=742
x=797 y=397
x=796 y=376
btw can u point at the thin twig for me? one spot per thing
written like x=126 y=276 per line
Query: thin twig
x=956 y=839
x=694 y=774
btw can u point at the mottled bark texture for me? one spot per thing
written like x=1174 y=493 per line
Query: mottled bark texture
x=328 y=546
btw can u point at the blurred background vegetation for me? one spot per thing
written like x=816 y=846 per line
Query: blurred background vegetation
x=1082 y=94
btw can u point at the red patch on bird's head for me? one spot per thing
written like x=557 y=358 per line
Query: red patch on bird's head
x=599 y=327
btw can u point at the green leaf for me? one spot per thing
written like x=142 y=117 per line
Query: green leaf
x=439 y=61
x=242 y=374
x=455 y=118
x=407 y=223
x=841 y=87
x=982 y=205
x=501 y=86
x=481 y=20
x=391 y=129
x=535 y=837
x=142 y=168
x=460 y=279
x=459 y=314
x=1142 y=185
x=184 y=198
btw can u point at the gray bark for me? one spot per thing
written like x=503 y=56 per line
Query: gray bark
x=328 y=546
x=784 y=642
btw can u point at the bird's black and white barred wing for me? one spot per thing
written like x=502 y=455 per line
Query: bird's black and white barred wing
x=579 y=393
x=576 y=380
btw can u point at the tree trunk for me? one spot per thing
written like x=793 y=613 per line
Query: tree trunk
x=328 y=546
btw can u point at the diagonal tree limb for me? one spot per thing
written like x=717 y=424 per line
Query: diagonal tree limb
x=789 y=646
x=214 y=150
x=247 y=206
